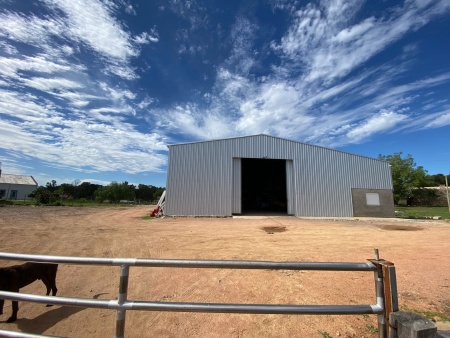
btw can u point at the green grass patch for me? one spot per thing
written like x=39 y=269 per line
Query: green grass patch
x=371 y=328
x=422 y=212
x=325 y=334
x=432 y=315
x=435 y=315
x=64 y=203
x=15 y=202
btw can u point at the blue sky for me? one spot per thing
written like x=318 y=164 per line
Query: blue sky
x=95 y=90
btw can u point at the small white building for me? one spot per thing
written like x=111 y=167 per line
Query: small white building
x=16 y=187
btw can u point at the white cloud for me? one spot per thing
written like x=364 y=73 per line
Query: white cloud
x=382 y=121
x=85 y=24
x=328 y=48
x=438 y=120
x=242 y=35
x=49 y=84
x=145 y=38
x=190 y=120
x=30 y=29
x=92 y=23
x=78 y=145
x=355 y=32
x=275 y=102
x=10 y=67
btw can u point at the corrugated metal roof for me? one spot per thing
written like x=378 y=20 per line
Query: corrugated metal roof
x=17 y=179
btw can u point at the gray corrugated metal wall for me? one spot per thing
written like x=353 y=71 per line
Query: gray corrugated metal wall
x=204 y=177
x=237 y=186
x=290 y=184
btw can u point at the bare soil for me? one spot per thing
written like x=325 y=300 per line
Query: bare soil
x=419 y=249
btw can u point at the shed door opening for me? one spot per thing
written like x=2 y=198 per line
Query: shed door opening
x=263 y=186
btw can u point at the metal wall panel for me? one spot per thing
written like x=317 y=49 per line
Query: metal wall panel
x=290 y=184
x=202 y=177
x=237 y=186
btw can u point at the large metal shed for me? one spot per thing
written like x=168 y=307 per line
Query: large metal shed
x=262 y=174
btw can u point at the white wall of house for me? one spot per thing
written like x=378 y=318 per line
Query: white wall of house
x=16 y=187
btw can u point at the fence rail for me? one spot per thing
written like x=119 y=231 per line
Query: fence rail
x=386 y=294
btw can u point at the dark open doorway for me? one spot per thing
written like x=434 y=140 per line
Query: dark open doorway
x=263 y=186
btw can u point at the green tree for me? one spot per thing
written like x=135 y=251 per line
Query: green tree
x=86 y=190
x=406 y=177
x=67 y=189
x=148 y=193
x=42 y=195
x=157 y=194
x=438 y=179
x=51 y=186
x=145 y=192
x=115 y=192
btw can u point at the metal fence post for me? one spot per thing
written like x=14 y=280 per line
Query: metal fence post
x=122 y=297
x=379 y=287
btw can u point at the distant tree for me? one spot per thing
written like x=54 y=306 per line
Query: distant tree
x=67 y=189
x=42 y=195
x=421 y=196
x=114 y=192
x=157 y=194
x=405 y=175
x=51 y=186
x=86 y=190
x=438 y=179
x=145 y=192
x=75 y=183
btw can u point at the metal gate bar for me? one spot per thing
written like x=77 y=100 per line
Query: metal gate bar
x=191 y=263
x=121 y=304
x=196 y=307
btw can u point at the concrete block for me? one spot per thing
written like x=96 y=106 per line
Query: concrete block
x=412 y=325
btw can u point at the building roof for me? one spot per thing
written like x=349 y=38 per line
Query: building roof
x=274 y=138
x=17 y=179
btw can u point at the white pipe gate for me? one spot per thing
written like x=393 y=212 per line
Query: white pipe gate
x=384 y=272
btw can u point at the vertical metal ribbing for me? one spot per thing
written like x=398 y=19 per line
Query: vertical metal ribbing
x=122 y=297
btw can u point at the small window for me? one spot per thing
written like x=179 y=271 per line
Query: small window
x=2 y=193
x=372 y=198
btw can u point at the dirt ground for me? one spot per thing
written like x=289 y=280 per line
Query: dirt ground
x=419 y=249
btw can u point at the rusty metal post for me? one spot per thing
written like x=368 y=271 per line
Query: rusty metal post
x=121 y=299
x=386 y=286
x=390 y=294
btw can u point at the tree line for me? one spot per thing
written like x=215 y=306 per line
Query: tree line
x=115 y=192
x=410 y=181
